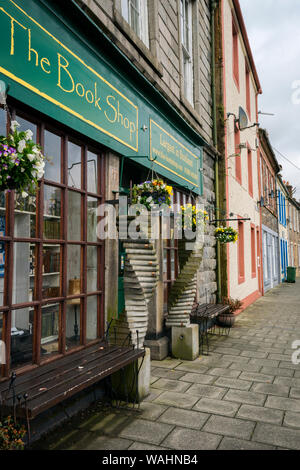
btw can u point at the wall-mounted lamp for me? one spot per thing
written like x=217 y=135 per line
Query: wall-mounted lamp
x=261 y=202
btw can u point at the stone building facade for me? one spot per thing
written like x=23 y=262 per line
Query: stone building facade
x=269 y=168
x=178 y=65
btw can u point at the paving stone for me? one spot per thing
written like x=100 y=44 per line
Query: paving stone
x=184 y=418
x=240 y=396
x=280 y=357
x=231 y=443
x=198 y=378
x=153 y=379
x=255 y=354
x=264 y=362
x=154 y=392
x=171 y=385
x=198 y=368
x=295 y=392
x=208 y=391
x=256 y=377
x=222 y=372
x=258 y=413
x=189 y=439
x=279 y=372
x=229 y=426
x=289 y=381
x=227 y=350
x=277 y=435
x=289 y=365
x=279 y=403
x=245 y=367
x=219 y=407
x=110 y=423
x=179 y=400
x=167 y=373
x=236 y=359
x=167 y=363
x=271 y=389
x=233 y=383
x=104 y=443
x=146 y=431
x=292 y=419
x=143 y=446
x=150 y=410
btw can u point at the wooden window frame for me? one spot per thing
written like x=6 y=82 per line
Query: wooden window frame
x=248 y=91
x=250 y=170
x=238 y=157
x=10 y=239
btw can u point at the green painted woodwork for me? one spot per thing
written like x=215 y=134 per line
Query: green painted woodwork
x=50 y=66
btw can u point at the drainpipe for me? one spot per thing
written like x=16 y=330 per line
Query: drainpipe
x=213 y=6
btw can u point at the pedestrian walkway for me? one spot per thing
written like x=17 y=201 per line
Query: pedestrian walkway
x=244 y=395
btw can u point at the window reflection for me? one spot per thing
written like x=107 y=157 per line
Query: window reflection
x=24 y=125
x=21 y=336
x=52 y=212
x=74 y=165
x=52 y=149
x=92 y=175
x=74 y=216
x=50 y=329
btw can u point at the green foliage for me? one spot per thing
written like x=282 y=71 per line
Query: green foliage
x=226 y=234
x=150 y=193
x=11 y=435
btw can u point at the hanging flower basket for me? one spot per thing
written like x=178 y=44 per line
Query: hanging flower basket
x=192 y=217
x=226 y=234
x=150 y=193
x=21 y=162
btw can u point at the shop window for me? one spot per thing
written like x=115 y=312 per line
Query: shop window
x=187 y=48
x=51 y=277
x=135 y=13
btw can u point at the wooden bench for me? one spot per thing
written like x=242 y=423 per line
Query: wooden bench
x=47 y=385
x=205 y=315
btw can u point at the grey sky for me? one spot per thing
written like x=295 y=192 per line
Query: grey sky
x=273 y=28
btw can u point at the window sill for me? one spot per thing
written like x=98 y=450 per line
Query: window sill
x=137 y=42
x=241 y=280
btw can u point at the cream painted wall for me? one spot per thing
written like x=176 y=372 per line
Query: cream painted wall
x=239 y=200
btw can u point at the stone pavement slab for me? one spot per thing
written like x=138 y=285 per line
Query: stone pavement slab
x=146 y=431
x=240 y=396
x=184 y=418
x=259 y=413
x=180 y=400
x=231 y=443
x=229 y=426
x=173 y=385
x=189 y=439
x=198 y=378
x=233 y=383
x=277 y=435
x=219 y=407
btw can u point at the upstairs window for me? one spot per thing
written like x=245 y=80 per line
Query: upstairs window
x=187 y=48
x=248 y=99
x=237 y=150
x=135 y=13
x=250 y=175
x=235 y=53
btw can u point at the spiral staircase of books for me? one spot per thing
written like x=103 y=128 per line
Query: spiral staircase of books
x=140 y=280
x=183 y=292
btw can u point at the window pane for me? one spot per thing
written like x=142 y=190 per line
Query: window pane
x=73 y=324
x=91 y=268
x=91 y=318
x=24 y=125
x=52 y=212
x=74 y=165
x=21 y=336
x=51 y=271
x=74 y=252
x=2 y=122
x=52 y=148
x=24 y=272
x=25 y=216
x=92 y=219
x=74 y=216
x=92 y=172
x=50 y=329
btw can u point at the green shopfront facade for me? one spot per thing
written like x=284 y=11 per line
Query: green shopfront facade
x=88 y=106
